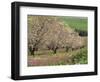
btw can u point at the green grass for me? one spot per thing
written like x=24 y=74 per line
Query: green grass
x=78 y=23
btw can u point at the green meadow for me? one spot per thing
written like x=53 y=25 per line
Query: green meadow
x=79 y=23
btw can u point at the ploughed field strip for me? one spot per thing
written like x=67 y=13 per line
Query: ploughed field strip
x=43 y=59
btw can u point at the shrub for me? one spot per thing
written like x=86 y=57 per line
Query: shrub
x=80 y=57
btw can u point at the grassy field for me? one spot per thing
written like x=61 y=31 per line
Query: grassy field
x=46 y=57
x=76 y=22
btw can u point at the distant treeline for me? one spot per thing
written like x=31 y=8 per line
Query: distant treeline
x=81 y=32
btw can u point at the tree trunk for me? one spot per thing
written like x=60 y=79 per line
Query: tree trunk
x=66 y=49
x=55 y=50
x=33 y=50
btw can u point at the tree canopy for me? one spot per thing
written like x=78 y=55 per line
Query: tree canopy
x=48 y=32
